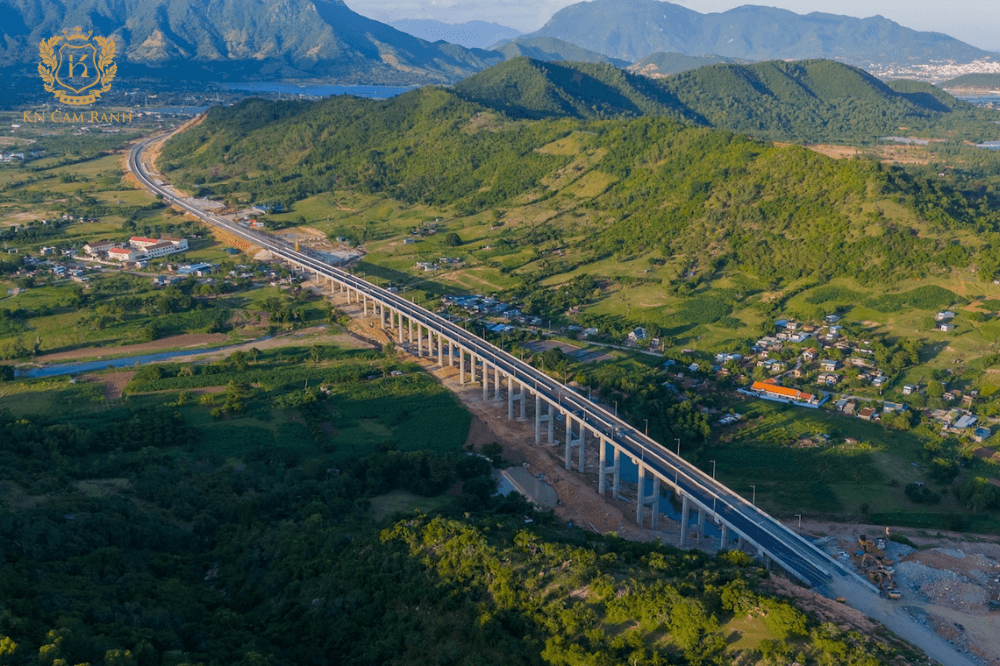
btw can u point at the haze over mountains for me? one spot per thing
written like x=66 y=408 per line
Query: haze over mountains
x=235 y=39
x=634 y=29
x=471 y=34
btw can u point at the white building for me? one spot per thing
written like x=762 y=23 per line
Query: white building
x=122 y=254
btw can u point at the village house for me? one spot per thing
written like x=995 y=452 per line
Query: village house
x=121 y=254
x=909 y=389
x=945 y=327
x=982 y=434
x=637 y=334
x=829 y=365
x=828 y=378
x=867 y=414
x=771 y=390
x=944 y=316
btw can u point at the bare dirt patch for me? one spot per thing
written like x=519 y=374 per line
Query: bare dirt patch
x=114 y=382
x=172 y=342
x=836 y=152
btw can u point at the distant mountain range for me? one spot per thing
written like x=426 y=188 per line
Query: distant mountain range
x=812 y=100
x=552 y=49
x=634 y=29
x=471 y=35
x=240 y=39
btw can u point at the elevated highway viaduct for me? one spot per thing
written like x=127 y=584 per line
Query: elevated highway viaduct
x=530 y=393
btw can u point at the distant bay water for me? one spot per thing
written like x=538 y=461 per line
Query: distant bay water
x=318 y=90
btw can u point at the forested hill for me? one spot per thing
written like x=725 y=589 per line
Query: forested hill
x=665 y=64
x=812 y=100
x=623 y=188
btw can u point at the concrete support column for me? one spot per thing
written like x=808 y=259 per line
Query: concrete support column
x=461 y=366
x=420 y=342
x=472 y=368
x=552 y=424
x=583 y=441
x=510 y=398
x=440 y=351
x=430 y=342
x=399 y=317
x=538 y=419
x=451 y=354
x=724 y=539
x=486 y=381
x=411 y=329
x=496 y=383
x=640 y=497
x=602 y=478
x=654 y=501
x=701 y=523
x=523 y=396
x=618 y=473
x=739 y=542
x=684 y=516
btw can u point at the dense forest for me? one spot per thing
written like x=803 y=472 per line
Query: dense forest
x=155 y=552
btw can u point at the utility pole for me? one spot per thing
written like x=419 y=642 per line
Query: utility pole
x=799 y=516
x=754 y=501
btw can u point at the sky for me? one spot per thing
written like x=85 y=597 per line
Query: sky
x=973 y=21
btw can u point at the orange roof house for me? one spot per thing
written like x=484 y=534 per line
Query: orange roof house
x=771 y=387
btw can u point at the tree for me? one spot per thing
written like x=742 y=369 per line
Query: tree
x=452 y=239
x=935 y=389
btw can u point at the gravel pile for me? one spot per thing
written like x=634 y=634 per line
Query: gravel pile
x=915 y=576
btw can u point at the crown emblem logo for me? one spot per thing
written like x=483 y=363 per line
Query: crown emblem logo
x=77 y=34
x=81 y=70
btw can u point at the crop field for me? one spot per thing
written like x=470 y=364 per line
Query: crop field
x=358 y=415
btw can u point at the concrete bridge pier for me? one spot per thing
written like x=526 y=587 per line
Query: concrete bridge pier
x=510 y=398
x=724 y=539
x=701 y=524
x=551 y=411
x=486 y=381
x=603 y=469
x=451 y=354
x=411 y=330
x=574 y=441
x=420 y=342
x=684 y=519
x=538 y=419
x=461 y=366
x=472 y=368
x=496 y=383
x=642 y=499
x=399 y=318
x=440 y=351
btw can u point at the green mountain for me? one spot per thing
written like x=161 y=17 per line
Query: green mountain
x=814 y=100
x=526 y=88
x=552 y=49
x=633 y=29
x=239 y=39
x=614 y=188
x=660 y=65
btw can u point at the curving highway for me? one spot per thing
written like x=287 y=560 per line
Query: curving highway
x=797 y=555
